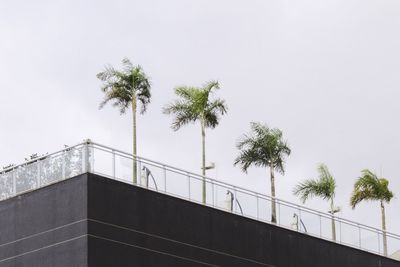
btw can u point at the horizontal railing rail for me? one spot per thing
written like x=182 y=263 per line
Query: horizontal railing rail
x=117 y=164
x=200 y=177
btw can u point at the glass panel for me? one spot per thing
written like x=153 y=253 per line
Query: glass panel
x=393 y=245
x=264 y=209
x=177 y=184
x=287 y=216
x=246 y=204
x=369 y=240
x=6 y=185
x=222 y=198
x=102 y=162
x=326 y=227
x=309 y=223
x=349 y=234
x=73 y=162
x=210 y=187
x=196 y=189
x=123 y=169
x=26 y=177
x=52 y=169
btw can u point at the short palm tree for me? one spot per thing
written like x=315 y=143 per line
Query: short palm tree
x=264 y=147
x=323 y=187
x=195 y=104
x=125 y=88
x=370 y=187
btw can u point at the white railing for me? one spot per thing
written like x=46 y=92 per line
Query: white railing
x=118 y=165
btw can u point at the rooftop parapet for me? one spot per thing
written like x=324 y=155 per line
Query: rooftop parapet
x=118 y=165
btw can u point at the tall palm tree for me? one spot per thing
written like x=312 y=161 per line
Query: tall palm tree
x=323 y=187
x=370 y=187
x=264 y=147
x=125 y=88
x=195 y=104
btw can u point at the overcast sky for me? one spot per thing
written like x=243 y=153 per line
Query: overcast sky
x=325 y=72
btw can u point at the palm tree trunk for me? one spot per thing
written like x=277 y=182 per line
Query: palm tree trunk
x=273 y=203
x=333 y=221
x=134 y=170
x=203 y=164
x=384 y=229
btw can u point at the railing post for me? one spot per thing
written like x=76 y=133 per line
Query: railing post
x=139 y=170
x=216 y=198
x=14 y=182
x=63 y=165
x=38 y=174
x=258 y=207
x=320 y=226
x=379 y=243
x=84 y=158
x=359 y=235
x=212 y=192
x=299 y=222
x=165 y=178
x=91 y=157
x=189 y=193
x=279 y=212
x=235 y=198
x=113 y=163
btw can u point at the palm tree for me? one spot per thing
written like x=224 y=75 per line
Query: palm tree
x=195 y=104
x=323 y=187
x=370 y=187
x=125 y=88
x=264 y=147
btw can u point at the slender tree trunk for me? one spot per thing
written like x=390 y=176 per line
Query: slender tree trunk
x=384 y=229
x=203 y=158
x=333 y=221
x=273 y=203
x=134 y=174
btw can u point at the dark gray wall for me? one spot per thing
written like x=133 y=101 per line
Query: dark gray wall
x=132 y=225
x=94 y=221
x=46 y=227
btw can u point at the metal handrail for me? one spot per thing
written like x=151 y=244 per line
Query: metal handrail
x=248 y=191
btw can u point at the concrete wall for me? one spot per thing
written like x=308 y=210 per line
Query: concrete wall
x=133 y=225
x=94 y=221
x=46 y=227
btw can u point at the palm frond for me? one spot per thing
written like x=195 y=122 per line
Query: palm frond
x=143 y=92
x=121 y=87
x=186 y=92
x=262 y=147
x=368 y=187
x=183 y=113
x=194 y=104
x=217 y=106
x=211 y=85
x=213 y=111
x=308 y=189
x=118 y=95
x=108 y=73
x=323 y=187
x=127 y=65
x=249 y=157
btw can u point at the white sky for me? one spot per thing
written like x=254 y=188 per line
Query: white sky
x=325 y=72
